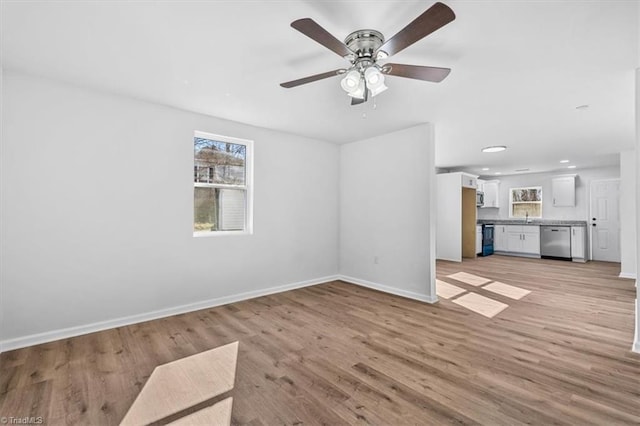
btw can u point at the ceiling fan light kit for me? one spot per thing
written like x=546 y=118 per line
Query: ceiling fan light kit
x=359 y=90
x=375 y=80
x=364 y=48
x=351 y=82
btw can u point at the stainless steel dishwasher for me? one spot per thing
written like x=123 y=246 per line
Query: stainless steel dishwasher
x=555 y=242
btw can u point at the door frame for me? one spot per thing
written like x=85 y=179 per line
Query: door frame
x=591 y=212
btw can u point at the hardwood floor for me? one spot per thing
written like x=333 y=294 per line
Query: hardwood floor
x=341 y=354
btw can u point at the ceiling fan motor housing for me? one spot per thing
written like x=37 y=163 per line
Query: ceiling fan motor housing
x=364 y=43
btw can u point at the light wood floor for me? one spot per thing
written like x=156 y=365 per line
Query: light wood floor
x=341 y=354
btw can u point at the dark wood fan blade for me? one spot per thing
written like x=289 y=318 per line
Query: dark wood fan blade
x=434 y=74
x=311 y=29
x=312 y=78
x=437 y=16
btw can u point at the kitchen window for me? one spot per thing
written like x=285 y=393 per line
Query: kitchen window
x=525 y=202
x=222 y=185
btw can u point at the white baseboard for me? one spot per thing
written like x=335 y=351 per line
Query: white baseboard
x=449 y=260
x=387 y=289
x=636 y=336
x=50 y=336
x=627 y=275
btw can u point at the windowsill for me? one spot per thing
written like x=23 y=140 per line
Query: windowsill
x=204 y=234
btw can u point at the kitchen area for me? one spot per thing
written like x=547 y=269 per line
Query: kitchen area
x=547 y=239
x=536 y=220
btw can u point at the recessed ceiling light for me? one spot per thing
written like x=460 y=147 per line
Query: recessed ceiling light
x=497 y=173
x=582 y=107
x=496 y=148
x=484 y=169
x=571 y=167
x=564 y=161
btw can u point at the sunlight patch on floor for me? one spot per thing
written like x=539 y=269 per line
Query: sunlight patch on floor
x=506 y=290
x=476 y=302
x=216 y=415
x=446 y=290
x=179 y=385
x=480 y=304
x=470 y=279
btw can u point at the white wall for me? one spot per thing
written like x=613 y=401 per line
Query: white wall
x=579 y=212
x=97 y=211
x=628 y=214
x=636 y=340
x=386 y=187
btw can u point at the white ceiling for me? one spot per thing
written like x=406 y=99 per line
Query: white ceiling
x=519 y=69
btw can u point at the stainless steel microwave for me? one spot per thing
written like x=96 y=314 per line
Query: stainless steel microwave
x=479 y=198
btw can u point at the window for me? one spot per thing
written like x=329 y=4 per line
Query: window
x=222 y=179
x=525 y=202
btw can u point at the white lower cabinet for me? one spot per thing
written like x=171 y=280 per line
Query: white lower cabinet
x=578 y=243
x=523 y=239
x=500 y=238
x=531 y=239
x=514 y=241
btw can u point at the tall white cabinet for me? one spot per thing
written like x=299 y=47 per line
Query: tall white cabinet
x=456 y=216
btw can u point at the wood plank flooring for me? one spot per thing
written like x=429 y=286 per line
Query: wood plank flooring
x=337 y=353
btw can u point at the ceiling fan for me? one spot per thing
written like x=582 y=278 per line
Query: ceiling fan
x=364 y=48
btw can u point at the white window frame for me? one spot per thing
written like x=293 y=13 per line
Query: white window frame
x=511 y=202
x=247 y=187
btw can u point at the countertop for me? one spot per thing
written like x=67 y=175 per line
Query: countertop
x=552 y=222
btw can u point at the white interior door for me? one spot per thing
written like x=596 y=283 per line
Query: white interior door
x=605 y=220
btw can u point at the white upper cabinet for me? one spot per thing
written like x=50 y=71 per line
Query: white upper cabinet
x=469 y=181
x=456 y=216
x=491 y=194
x=563 y=191
x=480 y=184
